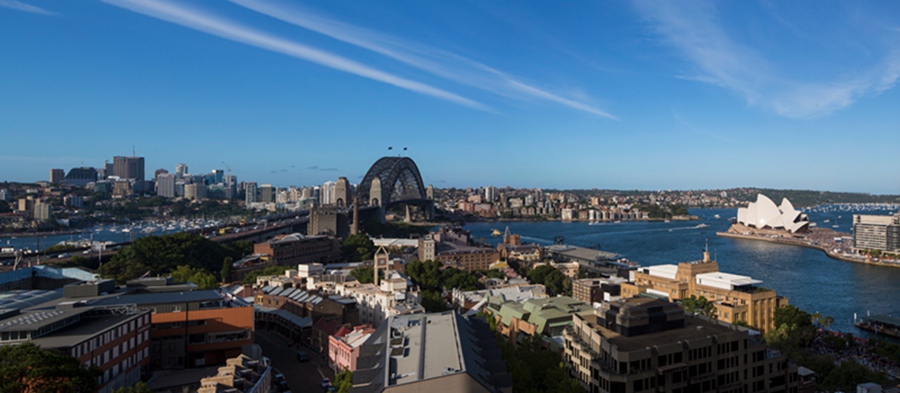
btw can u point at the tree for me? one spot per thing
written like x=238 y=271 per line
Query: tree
x=358 y=248
x=700 y=306
x=343 y=381
x=227 y=265
x=364 y=274
x=556 y=282
x=162 y=254
x=203 y=278
x=432 y=301
x=793 y=329
x=28 y=368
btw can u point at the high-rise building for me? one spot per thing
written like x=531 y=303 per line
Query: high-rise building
x=218 y=176
x=326 y=193
x=266 y=193
x=57 y=176
x=643 y=344
x=4 y=195
x=41 y=211
x=342 y=192
x=181 y=170
x=250 y=192
x=489 y=194
x=165 y=185
x=130 y=168
x=874 y=232
x=195 y=191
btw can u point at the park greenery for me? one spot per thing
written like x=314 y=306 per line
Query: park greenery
x=159 y=255
x=656 y=211
x=796 y=329
x=553 y=279
x=433 y=279
x=276 y=270
x=139 y=387
x=202 y=278
x=28 y=368
x=358 y=248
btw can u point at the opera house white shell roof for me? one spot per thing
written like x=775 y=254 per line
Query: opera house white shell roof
x=763 y=214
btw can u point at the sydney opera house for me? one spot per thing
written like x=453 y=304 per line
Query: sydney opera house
x=764 y=214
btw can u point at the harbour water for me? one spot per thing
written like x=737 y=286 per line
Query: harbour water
x=810 y=279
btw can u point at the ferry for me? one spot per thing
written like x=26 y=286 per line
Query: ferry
x=880 y=324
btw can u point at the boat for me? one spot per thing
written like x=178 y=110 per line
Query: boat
x=717 y=217
x=827 y=220
x=496 y=233
x=835 y=226
x=701 y=226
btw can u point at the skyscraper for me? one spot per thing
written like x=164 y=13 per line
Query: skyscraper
x=165 y=185
x=250 y=192
x=266 y=193
x=130 y=168
x=326 y=194
x=218 y=176
x=181 y=170
x=57 y=176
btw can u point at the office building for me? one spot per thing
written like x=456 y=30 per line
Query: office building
x=267 y=193
x=80 y=177
x=295 y=249
x=439 y=352
x=181 y=170
x=57 y=176
x=650 y=345
x=326 y=193
x=195 y=191
x=250 y=195
x=736 y=298
x=872 y=232
x=597 y=290
x=131 y=168
x=165 y=185
x=116 y=340
x=218 y=176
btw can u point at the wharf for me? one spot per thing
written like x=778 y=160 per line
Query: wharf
x=831 y=248
x=880 y=324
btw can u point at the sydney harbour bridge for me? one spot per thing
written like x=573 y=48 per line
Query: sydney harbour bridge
x=393 y=181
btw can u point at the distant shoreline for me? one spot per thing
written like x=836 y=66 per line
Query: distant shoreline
x=831 y=254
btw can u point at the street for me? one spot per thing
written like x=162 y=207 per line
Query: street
x=301 y=377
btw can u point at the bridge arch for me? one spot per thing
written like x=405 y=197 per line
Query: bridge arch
x=400 y=181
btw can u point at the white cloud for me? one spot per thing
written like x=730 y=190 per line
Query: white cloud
x=435 y=61
x=233 y=31
x=20 y=6
x=696 y=32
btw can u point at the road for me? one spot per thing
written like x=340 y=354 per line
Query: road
x=301 y=377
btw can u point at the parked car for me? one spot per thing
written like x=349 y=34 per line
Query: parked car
x=302 y=356
x=326 y=383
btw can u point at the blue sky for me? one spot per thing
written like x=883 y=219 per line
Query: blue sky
x=623 y=95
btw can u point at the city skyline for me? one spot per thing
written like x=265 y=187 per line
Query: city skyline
x=613 y=96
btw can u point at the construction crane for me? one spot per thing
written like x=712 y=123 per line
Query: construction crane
x=226 y=166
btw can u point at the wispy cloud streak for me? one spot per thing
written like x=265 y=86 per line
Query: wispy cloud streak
x=236 y=32
x=696 y=32
x=20 y=6
x=435 y=61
